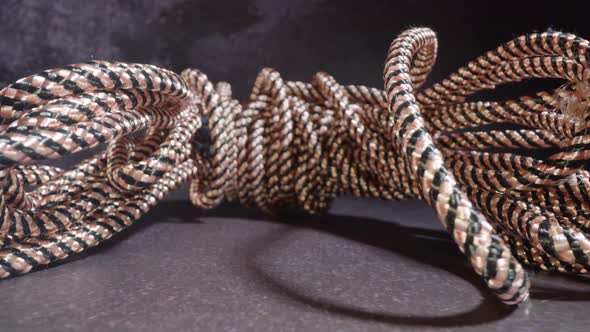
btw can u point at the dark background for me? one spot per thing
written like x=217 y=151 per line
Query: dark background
x=366 y=265
x=233 y=40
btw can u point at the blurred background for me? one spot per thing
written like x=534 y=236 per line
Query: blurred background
x=234 y=40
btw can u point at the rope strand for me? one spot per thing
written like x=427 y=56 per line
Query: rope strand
x=302 y=144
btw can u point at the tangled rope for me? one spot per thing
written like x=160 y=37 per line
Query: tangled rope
x=303 y=144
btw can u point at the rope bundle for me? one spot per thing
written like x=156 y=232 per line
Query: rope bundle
x=303 y=144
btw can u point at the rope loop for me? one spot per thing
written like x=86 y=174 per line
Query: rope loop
x=476 y=162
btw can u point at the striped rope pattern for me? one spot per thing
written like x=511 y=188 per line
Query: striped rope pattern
x=302 y=144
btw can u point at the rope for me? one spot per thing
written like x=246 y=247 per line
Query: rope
x=302 y=144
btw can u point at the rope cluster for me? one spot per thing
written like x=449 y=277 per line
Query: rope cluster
x=302 y=144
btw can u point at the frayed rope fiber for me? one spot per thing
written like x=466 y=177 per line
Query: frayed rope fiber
x=302 y=144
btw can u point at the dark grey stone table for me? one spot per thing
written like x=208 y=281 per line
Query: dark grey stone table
x=365 y=266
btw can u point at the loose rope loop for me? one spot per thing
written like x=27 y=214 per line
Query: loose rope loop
x=302 y=144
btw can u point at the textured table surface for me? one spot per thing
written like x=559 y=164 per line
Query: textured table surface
x=365 y=266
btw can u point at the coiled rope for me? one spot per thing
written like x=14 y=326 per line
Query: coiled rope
x=302 y=144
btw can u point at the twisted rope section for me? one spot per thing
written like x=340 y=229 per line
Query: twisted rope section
x=540 y=206
x=302 y=144
x=295 y=144
x=146 y=114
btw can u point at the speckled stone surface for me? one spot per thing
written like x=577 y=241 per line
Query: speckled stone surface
x=365 y=266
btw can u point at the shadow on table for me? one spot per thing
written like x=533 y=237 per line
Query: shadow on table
x=431 y=247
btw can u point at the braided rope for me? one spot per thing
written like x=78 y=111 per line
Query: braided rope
x=303 y=144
